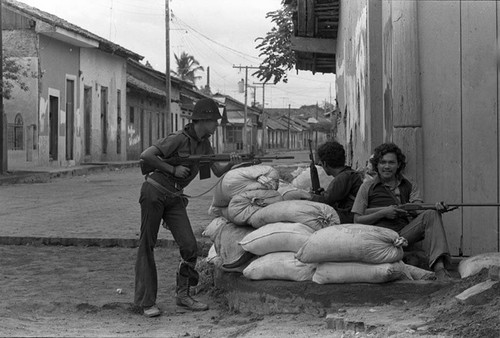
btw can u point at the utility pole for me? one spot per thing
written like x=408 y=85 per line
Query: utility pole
x=264 y=116
x=289 y=126
x=3 y=119
x=167 y=69
x=317 y=124
x=245 y=113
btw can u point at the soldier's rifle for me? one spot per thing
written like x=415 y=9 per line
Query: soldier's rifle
x=204 y=161
x=315 y=185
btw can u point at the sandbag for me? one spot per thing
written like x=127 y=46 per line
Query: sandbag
x=354 y=272
x=353 y=243
x=275 y=237
x=303 y=178
x=213 y=227
x=279 y=265
x=313 y=214
x=227 y=244
x=473 y=265
x=243 y=179
x=290 y=192
x=245 y=204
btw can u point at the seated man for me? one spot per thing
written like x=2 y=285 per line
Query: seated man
x=377 y=203
x=342 y=190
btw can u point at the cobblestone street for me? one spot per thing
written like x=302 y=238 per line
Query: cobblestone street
x=100 y=205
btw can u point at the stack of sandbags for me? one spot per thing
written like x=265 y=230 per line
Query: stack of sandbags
x=236 y=181
x=247 y=199
x=277 y=244
x=353 y=253
x=240 y=194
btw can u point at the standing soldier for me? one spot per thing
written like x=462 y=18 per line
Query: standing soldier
x=161 y=198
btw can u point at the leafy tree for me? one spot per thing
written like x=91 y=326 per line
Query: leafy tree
x=276 y=47
x=187 y=66
x=13 y=74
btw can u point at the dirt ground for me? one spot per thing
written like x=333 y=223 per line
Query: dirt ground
x=88 y=291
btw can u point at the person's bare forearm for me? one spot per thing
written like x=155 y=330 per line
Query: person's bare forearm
x=369 y=218
x=150 y=156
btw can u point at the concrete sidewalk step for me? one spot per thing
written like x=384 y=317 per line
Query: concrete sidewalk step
x=45 y=174
x=203 y=244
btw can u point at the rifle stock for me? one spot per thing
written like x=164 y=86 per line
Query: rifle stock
x=206 y=160
x=315 y=185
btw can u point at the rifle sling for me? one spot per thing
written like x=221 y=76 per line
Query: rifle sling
x=165 y=191
x=161 y=188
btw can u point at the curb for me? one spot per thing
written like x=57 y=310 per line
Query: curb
x=203 y=245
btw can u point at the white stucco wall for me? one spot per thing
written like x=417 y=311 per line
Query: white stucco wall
x=99 y=69
x=352 y=79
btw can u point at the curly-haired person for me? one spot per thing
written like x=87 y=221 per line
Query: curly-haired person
x=377 y=204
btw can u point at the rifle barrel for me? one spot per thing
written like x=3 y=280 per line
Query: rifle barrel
x=274 y=157
x=473 y=204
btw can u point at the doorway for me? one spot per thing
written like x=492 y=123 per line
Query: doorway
x=87 y=118
x=53 y=127
x=70 y=118
x=104 y=119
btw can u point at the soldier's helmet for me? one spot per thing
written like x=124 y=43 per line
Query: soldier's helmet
x=206 y=109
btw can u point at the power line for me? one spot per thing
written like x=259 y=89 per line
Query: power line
x=213 y=41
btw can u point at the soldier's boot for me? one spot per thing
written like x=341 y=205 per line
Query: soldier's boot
x=184 y=299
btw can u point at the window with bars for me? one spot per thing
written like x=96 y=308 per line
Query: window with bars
x=15 y=133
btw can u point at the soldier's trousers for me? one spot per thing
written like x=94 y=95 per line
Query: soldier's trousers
x=156 y=206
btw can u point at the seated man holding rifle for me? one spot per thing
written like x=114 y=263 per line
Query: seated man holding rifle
x=378 y=203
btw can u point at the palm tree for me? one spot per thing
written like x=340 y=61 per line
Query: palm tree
x=187 y=66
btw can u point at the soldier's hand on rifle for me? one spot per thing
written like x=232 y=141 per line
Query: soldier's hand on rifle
x=181 y=171
x=234 y=158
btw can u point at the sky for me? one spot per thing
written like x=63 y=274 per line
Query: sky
x=220 y=34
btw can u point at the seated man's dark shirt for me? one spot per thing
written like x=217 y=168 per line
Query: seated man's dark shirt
x=341 y=193
x=374 y=194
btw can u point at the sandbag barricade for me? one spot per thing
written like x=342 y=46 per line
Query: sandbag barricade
x=354 y=272
x=243 y=179
x=279 y=265
x=276 y=237
x=313 y=214
x=245 y=204
x=353 y=243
